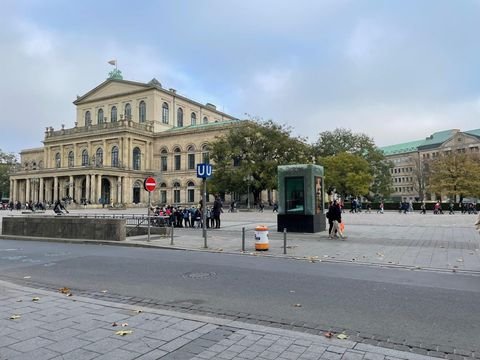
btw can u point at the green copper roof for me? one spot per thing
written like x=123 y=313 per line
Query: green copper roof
x=434 y=139
x=475 y=132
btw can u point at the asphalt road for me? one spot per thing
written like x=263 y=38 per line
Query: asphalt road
x=419 y=306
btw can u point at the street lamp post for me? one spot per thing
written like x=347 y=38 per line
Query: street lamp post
x=248 y=179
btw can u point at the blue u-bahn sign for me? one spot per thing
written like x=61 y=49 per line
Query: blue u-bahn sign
x=204 y=171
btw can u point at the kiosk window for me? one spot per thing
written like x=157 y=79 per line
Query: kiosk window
x=294 y=195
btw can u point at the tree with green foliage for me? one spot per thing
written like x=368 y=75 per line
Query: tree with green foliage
x=455 y=174
x=349 y=174
x=249 y=154
x=7 y=162
x=331 y=143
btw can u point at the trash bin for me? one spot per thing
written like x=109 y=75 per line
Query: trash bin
x=261 y=238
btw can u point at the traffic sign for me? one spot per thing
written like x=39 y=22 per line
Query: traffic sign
x=150 y=184
x=204 y=170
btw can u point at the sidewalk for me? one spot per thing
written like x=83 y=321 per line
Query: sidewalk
x=41 y=325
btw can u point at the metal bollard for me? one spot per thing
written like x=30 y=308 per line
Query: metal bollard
x=243 y=239
x=171 y=236
x=284 y=241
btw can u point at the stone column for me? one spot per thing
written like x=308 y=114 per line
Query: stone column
x=92 y=189
x=99 y=188
x=27 y=190
x=15 y=190
x=70 y=187
x=125 y=190
x=119 y=190
x=55 y=188
x=41 y=194
x=87 y=187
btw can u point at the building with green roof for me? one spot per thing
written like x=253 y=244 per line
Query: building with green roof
x=409 y=158
x=124 y=132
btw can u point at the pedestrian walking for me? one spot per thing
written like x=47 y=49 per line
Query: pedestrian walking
x=334 y=216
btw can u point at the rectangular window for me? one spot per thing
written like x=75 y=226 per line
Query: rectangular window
x=177 y=162
x=191 y=195
x=205 y=158
x=191 y=161
x=176 y=196
x=163 y=196
x=163 y=163
x=294 y=195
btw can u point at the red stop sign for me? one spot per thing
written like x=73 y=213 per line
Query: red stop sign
x=150 y=184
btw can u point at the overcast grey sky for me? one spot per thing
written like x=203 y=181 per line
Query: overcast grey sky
x=394 y=70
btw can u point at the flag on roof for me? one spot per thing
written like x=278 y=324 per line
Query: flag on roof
x=113 y=62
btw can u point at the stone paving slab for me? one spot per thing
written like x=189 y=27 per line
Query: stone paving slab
x=433 y=242
x=179 y=335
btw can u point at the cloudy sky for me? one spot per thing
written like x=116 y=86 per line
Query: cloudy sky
x=395 y=70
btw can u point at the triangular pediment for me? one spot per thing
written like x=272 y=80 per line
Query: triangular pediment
x=460 y=139
x=111 y=88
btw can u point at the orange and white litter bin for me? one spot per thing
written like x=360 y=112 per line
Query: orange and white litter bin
x=261 y=238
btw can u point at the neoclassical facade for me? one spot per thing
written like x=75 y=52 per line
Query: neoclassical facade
x=410 y=159
x=124 y=132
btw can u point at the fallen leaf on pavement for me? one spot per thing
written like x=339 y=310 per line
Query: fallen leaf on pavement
x=114 y=324
x=15 y=317
x=460 y=260
x=325 y=256
x=297 y=305
x=69 y=294
x=124 y=324
x=64 y=290
x=328 y=334
x=137 y=311
x=123 y=332
x=104 y=291
x=380 y=254
x=342 y=337
x=19 y=300
x=35 y=298
x=219 y=249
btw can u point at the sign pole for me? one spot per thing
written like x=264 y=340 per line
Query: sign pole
x=148 y=216
x=204 y=214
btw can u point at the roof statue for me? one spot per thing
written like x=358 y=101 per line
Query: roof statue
x=115 y=74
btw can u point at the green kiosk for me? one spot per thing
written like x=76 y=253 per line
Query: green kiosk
x=301 y=198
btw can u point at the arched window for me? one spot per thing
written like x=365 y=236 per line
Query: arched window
x=136 y=158
x=84 y=158
x=205 y=120
x=165 y=113
x=115 y=162
x=88 y=118
x=176 y=192
x=58 y=160
x=71 y=159
x=193 y=119
x=99 y=157
x=191 y=192
x=177 y=159
x=40 y=164
x=136 y=192
x=142 y=112
x=164 y=160
x=113 y=114
x=191 y=158
x=100 y=116
x=128 y=111
x=180 y=117
x=205 y=154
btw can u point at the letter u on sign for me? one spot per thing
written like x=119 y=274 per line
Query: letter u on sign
x=204 y=170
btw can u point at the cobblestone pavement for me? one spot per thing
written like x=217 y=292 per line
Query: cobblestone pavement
x=38 y=324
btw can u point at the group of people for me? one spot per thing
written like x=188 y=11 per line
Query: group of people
x=188 y=217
